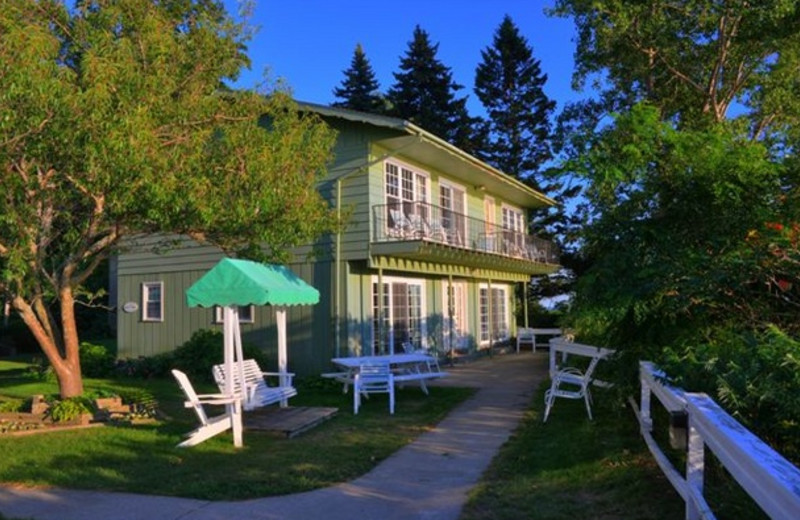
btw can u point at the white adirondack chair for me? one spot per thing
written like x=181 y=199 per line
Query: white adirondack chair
x=373 y=378
x=257 y=392
x=209 y=426
x=577 y=384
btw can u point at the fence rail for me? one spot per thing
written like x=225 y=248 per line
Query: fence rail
x=771 y=480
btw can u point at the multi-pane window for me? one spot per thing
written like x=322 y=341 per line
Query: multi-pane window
x=153 y=301
x=452 y=199
x=246 y=313
x=406 y=191
x=514 y=224
x=401 y=319
x=513 y=219
x=493 y=314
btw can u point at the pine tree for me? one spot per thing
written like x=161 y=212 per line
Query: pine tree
x=424 y=93
x=509 y=84
x=360 y=90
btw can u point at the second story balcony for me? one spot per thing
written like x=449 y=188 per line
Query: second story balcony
x=429 y=232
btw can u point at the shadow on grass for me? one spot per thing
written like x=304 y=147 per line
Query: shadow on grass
x=571 y=467
x=144 y=459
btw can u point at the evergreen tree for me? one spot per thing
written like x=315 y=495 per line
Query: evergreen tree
x=424 y=93
x=509 y=84
x=359 y=90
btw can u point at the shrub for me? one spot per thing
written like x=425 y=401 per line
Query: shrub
x=11 y=405
x=96 y=360
x=68 y=409
x=205 y=349
x=145 y=367
x=754 y=376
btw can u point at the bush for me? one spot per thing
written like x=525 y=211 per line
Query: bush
x=195 y=358
x=96 y=360
x=145 y=367
x=68 y=409
x=754 y=376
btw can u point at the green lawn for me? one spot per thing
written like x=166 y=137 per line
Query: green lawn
x=571 y=467
x=144 y=459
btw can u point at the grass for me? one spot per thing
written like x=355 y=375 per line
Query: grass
x=574 y=468
x=144 y=459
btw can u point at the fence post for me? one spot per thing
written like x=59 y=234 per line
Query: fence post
x=646 y=421
x=695 y=463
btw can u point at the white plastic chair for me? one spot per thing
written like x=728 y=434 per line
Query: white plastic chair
x=525 y=336
x=577 y=387
x=373 y=378
x=209 y=427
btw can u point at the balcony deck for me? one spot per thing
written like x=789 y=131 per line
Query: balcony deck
x=427 y=232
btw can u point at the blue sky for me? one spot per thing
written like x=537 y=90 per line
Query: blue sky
x=309 y=43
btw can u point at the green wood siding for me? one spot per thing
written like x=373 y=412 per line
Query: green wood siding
x=309 y=327
x=359 y=169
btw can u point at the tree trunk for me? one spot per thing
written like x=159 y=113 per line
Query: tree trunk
x=70 y=382
x=68 y=367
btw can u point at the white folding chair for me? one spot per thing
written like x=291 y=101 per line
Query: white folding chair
x=577 y=384
x=373 y=378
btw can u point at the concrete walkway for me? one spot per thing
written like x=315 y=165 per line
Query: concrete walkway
x=428 y=479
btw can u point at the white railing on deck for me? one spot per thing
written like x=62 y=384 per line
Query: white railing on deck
x=771 y=480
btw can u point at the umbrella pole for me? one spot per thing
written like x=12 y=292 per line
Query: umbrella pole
x=280 y=318
x=230 y=332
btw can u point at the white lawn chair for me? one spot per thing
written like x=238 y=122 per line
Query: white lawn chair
x=209 y=427
x=373 y=378
x=525 y=336
x=577 y=383
x=257 y=392
x=400 y=225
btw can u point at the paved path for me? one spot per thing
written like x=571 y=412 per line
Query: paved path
x=428 y=479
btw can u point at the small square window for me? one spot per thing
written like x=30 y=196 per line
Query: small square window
x=246 y=314
x=153 y=301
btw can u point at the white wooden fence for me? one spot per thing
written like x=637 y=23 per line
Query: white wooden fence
x=771 y=480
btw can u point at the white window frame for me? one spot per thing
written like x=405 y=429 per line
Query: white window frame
x=389 y=309
x=219 y=319
x=460 y=308
x=484 y=334
x=420 y=193
x=461 y=219
x=514 y=219
x=147 y=288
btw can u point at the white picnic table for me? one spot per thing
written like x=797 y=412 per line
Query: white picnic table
x=406 y=367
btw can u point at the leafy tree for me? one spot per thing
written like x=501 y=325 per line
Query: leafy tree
x=113 y=123
x=425 y=94
x=685 y=235
x=694 y=59
x=509 y=83
x=360 y=89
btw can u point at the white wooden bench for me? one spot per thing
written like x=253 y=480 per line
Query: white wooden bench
x=257 y=392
